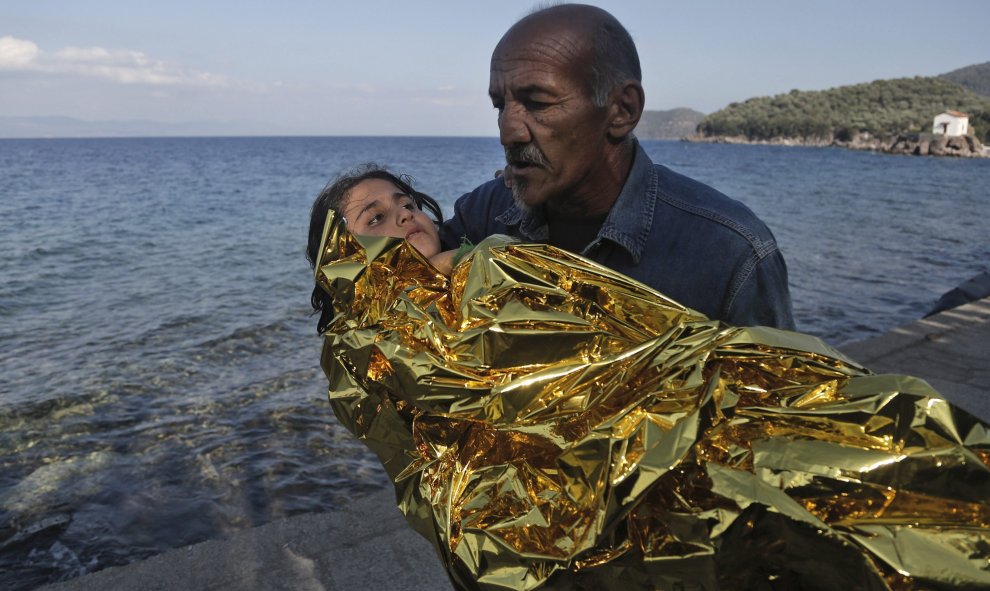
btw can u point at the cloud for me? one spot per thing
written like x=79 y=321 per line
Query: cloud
x=451 y=101
x=121 y=66
x=450 y=96
x=17 y=53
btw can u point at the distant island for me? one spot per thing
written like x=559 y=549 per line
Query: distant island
x=886 y=115
x=70 y=127
x=673 y=124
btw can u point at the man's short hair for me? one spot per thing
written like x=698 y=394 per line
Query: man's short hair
x=614 y=56
x=614 y=61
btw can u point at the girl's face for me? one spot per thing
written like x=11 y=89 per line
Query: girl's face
x=376 y=207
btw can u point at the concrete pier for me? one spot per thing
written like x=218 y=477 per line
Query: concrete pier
x=363 y=545
x=951 y=350
x=367 y=545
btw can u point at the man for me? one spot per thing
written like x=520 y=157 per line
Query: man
x=566 y=83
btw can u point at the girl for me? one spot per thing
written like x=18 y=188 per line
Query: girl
x=376 y=202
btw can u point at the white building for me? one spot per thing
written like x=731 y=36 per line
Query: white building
x=951 y=123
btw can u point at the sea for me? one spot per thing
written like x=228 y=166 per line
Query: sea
x=159 y=379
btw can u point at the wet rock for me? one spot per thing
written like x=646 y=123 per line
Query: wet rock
x=37 y=532
x=975 y=288
x=58 y=484
x=927 y=144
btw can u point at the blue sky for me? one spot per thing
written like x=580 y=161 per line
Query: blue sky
x=418 y=68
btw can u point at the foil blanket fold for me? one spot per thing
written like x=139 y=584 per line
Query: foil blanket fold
x=550 y=424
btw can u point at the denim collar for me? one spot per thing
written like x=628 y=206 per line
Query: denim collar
x=628 y=223
x=531 y=224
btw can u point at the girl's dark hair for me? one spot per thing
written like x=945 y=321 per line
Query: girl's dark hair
x=331 y=198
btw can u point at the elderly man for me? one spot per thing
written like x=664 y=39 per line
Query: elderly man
x=566 y=83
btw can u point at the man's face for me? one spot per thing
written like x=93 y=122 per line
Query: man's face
x=552 y=133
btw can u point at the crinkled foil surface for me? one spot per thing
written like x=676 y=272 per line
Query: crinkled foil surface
x=550 y=424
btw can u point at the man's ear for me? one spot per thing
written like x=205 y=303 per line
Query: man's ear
x=626 y=103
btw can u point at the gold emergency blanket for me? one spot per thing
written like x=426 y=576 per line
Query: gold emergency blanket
x=550 y=424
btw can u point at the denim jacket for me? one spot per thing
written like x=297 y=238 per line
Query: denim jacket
x=679 y=236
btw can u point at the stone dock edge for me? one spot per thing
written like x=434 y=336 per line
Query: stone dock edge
x=366 y=544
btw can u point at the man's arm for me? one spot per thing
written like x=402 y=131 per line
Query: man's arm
x=453 y=230
x=762 y=297
x=475 y=213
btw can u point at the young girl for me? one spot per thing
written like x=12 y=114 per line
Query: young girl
x=376 y=202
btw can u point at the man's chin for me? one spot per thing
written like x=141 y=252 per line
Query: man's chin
x=524 y=198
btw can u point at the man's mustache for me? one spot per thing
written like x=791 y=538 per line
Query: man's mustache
x=528 y=154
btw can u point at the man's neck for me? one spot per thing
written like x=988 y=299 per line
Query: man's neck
x=574 y=235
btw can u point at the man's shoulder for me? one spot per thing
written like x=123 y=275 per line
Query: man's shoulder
x=476 y=214
x=685 y=197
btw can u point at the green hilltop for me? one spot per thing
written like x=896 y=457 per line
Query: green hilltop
x=879 y=109
x=975 y=78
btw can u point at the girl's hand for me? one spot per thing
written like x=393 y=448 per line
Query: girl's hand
x=444 y=261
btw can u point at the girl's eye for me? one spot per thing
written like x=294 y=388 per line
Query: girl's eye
x=375 y=219
x=408 y=203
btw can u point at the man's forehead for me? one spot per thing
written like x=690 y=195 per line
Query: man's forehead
x=522 y=68
x=543 y=40
x=539 y=60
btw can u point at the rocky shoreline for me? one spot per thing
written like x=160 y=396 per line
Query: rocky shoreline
x=916 y=144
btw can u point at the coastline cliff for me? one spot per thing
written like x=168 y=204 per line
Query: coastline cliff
x=914 y=144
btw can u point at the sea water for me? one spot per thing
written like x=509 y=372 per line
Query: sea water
x=159 y=380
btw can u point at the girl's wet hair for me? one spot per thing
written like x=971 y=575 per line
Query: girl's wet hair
x=333 y=197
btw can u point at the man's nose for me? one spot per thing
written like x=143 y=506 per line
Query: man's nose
x=512 y=128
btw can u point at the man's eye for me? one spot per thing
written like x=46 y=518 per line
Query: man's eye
x=532 y=105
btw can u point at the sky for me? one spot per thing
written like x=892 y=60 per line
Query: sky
x=320 y=67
